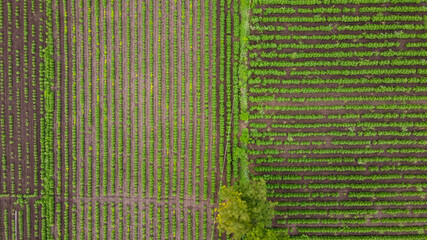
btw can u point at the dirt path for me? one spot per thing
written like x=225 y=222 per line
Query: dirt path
x=218 y=81
x=195 y=142
x=125 y=93
x=101 y=87
x=178 y=208
x=134 y=130
x=203 y=119
x=86 y=113
x=71 y=140
x=64 y=119
x=5 y=150
x=164 y=115
x=147 y=114
x=109 y=114
x=172 y=113
x=186 y=112
x=79 y=39
x=209 y=219
x=117 y=122
x=156 y=81
x=141 y=190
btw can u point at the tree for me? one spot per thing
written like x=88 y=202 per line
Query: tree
x=245 y=212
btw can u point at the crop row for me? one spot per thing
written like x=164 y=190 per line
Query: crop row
x=344 y=18
x=266 y=169
x=283 y=10
x=341 y=116
x=361 y=229
x=352 y=125
x=343 y=107
x=349 y=203
x=350 y=195
x=281 y=46
x=360 y=160
x=340 y=89
x=330 y=2
x=270 y=98
x=327 y=28
x=341 y=54
x=341 y=63
x=335 y=212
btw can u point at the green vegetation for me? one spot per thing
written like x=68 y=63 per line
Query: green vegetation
x=245 y=212
x=337 y=115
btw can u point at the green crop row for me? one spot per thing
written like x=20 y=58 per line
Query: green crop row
x=330 y=2
x=322 y=221
x=340 y=89
x=255 y=134
x=367 y=186
x=361 y=229
x=339 y=116
x=352 y=99
x=353 y=177
x=379 y=142
x=384 y=35
x=281 y=46
x=342 y=54
x=350 y=125
x=363 y=237
x=402 y=9
x=349 y=18
x=386 y=195
x=347 y=107
x=402 y=71
x=309 y=169
x=325 y=204
x=302 y=195
x=341 y=63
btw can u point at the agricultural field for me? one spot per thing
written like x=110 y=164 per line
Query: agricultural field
x=337 y=98
x=117 y=117
x=22 y=39
x=122 y=119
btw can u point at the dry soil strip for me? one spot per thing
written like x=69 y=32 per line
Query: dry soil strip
x=172 y=113
x=155 y=79
x=164 y=114
x=79 y=114
x=203 y=119
x=186 y=111
x=134 y=128
x=86 y=92
x=70 y=101
x=209 y=220
x=109 y=114
x=56 y=86
x=195 y=144
x=179 y=117
x=125 y=106
x=4 y=96
x=148 y=116
x=64 y=119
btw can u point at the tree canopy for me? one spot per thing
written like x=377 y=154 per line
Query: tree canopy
x=245 y=212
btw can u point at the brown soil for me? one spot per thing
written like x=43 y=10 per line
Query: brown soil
x=20 y=106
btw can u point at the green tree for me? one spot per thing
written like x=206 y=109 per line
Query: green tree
x=245 y=212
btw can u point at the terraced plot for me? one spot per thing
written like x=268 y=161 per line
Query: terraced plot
x=337 y=102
